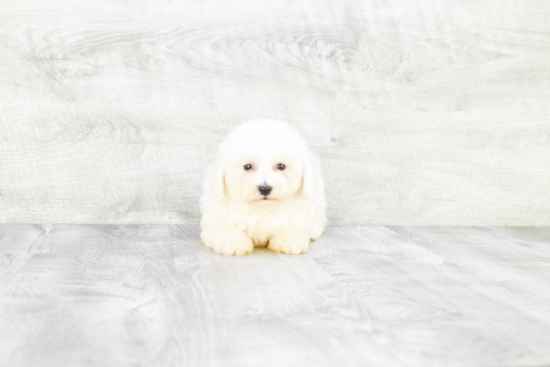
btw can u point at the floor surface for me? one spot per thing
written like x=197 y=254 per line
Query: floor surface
x=151 y=295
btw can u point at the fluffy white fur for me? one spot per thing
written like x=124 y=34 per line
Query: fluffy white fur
x=236 y=217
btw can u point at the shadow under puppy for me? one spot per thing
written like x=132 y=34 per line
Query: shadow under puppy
x=264 y=188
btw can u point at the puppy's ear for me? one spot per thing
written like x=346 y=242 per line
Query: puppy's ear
x=310 y=180
x=215 y=182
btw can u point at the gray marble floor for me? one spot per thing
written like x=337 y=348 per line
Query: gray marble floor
x=151 y=295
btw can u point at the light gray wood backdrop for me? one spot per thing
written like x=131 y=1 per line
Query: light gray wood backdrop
x=423 y=112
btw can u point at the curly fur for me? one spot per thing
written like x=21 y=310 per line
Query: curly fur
x=236 y=217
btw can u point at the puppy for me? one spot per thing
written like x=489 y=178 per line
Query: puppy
x=263 y=189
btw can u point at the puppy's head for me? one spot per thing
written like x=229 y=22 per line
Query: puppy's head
x=263 y=162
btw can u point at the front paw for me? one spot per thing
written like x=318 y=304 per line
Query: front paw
x=316 y=231
x=227 y=241
x=291 y=243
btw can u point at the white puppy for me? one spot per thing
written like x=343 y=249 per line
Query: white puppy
x=263 y=189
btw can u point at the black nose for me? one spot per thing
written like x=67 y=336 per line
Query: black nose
x=264 y=189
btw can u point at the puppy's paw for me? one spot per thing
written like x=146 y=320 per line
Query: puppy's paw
x=228 y=241
x=316 y=231
x=291 y=243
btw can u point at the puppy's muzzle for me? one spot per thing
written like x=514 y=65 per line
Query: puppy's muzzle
x=264 y=190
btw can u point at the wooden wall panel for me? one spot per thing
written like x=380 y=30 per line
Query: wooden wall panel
x=424 y=113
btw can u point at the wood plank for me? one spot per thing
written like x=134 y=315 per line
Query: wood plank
x=501 y=266
x=439 y=297
x=268 y=309
x=423 y=113
x=152 y=295
x=90 y=296
x=17 y=245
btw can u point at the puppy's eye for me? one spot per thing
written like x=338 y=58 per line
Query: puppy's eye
x=247 y=167
x=281 y=166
